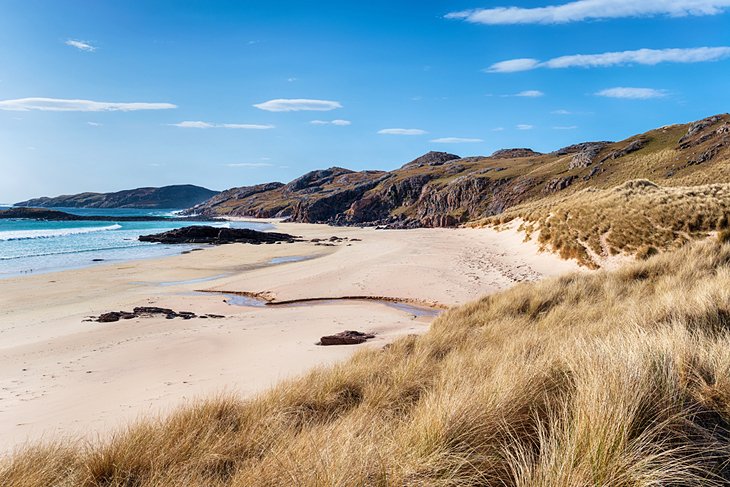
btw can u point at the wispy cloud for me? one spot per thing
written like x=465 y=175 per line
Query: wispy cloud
x=338 y=122
x=63 y=105
x=297 y=105
x=589 y=10
x=94 y=124
x=531 y=93
x=565 y=127
x=632 y=93
x=209 y=125
x=80 y=45
x=561 y=112
x=455 y=140
x=498 y=129
x=641 y=56
x=250 y=164
x=524 y=126
x=397 y=131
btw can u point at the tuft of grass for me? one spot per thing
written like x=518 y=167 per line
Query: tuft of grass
x=723 y=236
x=609 y=378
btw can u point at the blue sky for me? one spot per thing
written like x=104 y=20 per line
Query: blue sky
x=100 y=96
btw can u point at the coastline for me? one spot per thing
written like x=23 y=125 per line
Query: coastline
x=62 y=376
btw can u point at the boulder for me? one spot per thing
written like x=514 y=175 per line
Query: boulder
x=347 y=337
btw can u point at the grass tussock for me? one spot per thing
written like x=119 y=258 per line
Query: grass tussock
x=607 y=379
x=636 y=218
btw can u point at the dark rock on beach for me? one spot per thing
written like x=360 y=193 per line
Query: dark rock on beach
x=148 y=312
x=347 y=337
x=201 y=234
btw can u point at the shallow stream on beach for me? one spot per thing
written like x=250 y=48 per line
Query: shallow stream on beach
x=417 y=311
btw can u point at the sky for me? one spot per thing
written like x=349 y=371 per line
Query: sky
x=110 y=95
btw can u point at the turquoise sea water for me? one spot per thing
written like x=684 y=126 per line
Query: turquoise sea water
x=32 y=246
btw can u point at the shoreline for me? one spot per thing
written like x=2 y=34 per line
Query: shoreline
x=62 y=377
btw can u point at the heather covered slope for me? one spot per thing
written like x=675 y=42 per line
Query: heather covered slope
x=179 y=196
x=441 y=189
x=602 y=378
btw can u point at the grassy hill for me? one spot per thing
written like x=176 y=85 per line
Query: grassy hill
x=610 y=378
x=440 y=189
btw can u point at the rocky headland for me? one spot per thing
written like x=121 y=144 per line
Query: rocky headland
x=167 y=197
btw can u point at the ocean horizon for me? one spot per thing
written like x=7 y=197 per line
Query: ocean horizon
x=39 y=246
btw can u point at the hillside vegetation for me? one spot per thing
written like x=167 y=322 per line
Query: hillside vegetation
x=441 y=189
x=636 y=218
x=608 y=378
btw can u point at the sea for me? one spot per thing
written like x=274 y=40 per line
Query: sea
x=36 y=246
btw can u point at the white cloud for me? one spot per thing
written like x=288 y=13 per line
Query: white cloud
x=249 y=164
x=632 y=93
x=524 y=126
x=94 y=124
x=292 y=80
x=648 y=57
x=581 y=10
x=565 y=127
x=531 y=94
x=338 y=122
x=62 y=105
x=246 y=126
x=297 y=105
x=455 y=140
x=561 y=112
x=513 y=65
x=498 y=129
x=208 y=125
x=402 y=132
x=80 y=45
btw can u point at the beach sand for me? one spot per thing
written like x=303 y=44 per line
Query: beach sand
x=61 y=376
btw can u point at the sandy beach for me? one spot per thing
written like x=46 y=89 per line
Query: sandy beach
x=62 y=376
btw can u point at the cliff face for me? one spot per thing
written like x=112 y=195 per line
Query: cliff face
x=167 y=197
x=440 y=189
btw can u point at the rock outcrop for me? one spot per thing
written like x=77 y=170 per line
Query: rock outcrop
x=432 y=158
x=629 y=148
x=514 y=153
x=347 y=337
x=201 y=234
x=148 y=312
x=586 y=154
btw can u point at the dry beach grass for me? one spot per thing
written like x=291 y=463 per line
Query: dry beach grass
x=611 y=378
x=635 y=218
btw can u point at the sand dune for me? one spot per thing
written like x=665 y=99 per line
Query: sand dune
x=60 y=375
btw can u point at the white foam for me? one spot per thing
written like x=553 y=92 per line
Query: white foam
x=50 y=233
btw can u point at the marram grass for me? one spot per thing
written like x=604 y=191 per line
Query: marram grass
x=592 y=379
